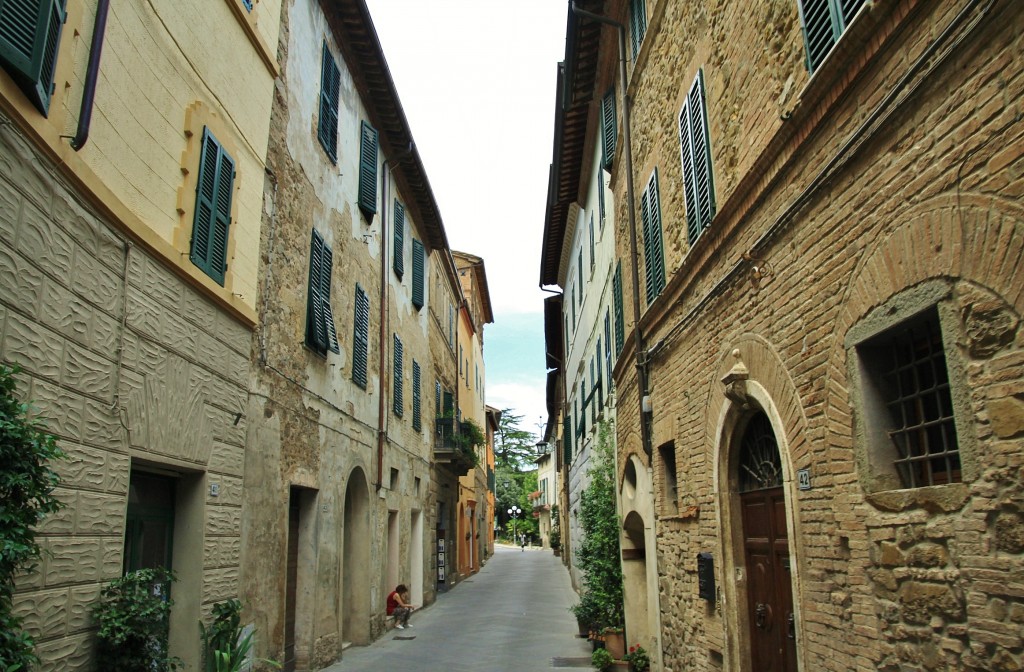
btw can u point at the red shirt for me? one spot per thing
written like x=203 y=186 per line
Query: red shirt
x=392 y=602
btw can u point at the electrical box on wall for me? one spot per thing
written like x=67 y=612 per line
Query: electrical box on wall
x=706 y=576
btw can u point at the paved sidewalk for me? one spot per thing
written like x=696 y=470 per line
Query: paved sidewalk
x=513 y=615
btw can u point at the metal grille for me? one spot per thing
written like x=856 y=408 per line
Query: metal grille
x=760 y=466
x=917 y=386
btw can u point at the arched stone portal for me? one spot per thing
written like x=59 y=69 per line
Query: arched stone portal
x=356 y=561
x=634 y=579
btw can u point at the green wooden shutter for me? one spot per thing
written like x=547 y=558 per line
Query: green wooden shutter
x=326 y=267
x=645 y=231
x=399 y=251
x=330 y=93
x=823 y=23
x=361 y=337
x=609 y=129
x=213 y=209
x=316 y=331
x=591 y=240
x=637 y=25
x=601 y=207
x=449 y=404
x=29 y=38
x=567 y=439
x=695 y=152
x=397 y=381
x=368 y=144
x=419 y=274
x=657 y=258
x=608 y=345
x=437 y=398
x=417 y=422
x=620 y=329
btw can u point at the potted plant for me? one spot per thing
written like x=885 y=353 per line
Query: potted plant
x=226 y=645
x=638 y=659
x=134 y=617
x=601 y=659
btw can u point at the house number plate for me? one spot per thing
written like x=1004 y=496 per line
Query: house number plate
x=803 y=479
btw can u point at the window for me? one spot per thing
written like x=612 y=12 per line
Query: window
x=417 y=422
x=451 y=326
x=368 y=143
x=654 y=256
x=437 y=397
x=609 y=130
x=419 y=274
x=608 y=345
x=579 y=272
x=695 y=151
x=321 y=334
x=330 y=89
x=620 y=329
x=360 y=337
x=907 y=405
x=567 y=439
x=591 y=241
x=669 y=479
x=29 y=38
x=399 y=251
x=397 y=381
x=212 y=219
x=600 y=197
x=149 y=522
x=637 y=24
x=824 y=22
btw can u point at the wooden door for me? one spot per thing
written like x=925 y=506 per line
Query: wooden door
x=769 y=588
x=291 y=583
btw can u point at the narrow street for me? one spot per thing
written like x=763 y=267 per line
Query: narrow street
x=512 y=615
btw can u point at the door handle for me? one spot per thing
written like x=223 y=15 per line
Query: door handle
x=791 y=626
x=762 y=615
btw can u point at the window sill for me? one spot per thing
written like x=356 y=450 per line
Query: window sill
x=935 y=498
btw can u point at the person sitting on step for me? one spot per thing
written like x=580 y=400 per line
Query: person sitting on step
x=399 y=607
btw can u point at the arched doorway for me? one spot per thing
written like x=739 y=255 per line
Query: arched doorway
x=355 y=569
x=634 y=578
x=765 y=536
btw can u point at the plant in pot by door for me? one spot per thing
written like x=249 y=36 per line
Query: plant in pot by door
x=601 y=659
x=638 y=659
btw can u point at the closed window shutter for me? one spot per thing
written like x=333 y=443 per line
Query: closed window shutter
x=316 y=326
x=567 y=439
x=823 y=23
x=437 y=398
x=325 y=297
x=609 y=129
x=637 y=24
x=417 y=422
x=213 y=209
x=657 y=258
x=330 y=91
x=591 y=240
x=600 y=197
x=620 y=328
x=695 y=152
x=361 y=337
x=368 y=144
x=29 y=38
x=419 y=273
x=449 y=404
x=399 y=251
x=608 y=345
x=396 y=377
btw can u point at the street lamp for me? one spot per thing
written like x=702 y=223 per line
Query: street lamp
x=514 y=513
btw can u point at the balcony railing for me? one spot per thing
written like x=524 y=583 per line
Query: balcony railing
x=452 y=447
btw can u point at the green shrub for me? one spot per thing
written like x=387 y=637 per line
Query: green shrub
x=601 y=659
x=26 y=497
x=133 y=614
x=225 y=648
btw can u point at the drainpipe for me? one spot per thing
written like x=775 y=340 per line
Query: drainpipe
x=382 y=432
x=638 y=338
x=92 y=74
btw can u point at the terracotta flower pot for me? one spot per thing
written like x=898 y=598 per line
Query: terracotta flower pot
x=615 y=642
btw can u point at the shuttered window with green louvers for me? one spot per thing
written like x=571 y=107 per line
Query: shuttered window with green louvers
x=214 y=187
x=321 y=334
x=567 y=439
x=823 y=23
x=419 y=274
x=654 y=254
x=417 y=404
x=330 y=93
x=361 y=337
x=637 y=25
x=609 y=129
x=695 y=152
x=29 y=38
x=620 y=328
x=397 y=380
x=368 y=146
x=399 y=251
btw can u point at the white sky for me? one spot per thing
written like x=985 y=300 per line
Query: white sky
x=477 y=82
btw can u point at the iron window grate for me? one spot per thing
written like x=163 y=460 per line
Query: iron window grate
x=921 y=407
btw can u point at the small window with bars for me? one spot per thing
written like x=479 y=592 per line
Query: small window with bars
x=907 y=393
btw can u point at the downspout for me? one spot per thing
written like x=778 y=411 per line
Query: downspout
x=92 y=74
x=382 y=432
x=638 y=337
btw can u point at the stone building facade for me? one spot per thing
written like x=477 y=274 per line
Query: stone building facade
x=829 y=438
x=353 y=356
x=132 y=334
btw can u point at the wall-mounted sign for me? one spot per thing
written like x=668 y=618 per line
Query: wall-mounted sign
x=803 y=479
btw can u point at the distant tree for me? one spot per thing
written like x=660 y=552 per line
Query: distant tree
x=514 y=447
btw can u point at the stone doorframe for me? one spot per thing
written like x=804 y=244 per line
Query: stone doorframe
x=638 y=541
x=753 y=378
